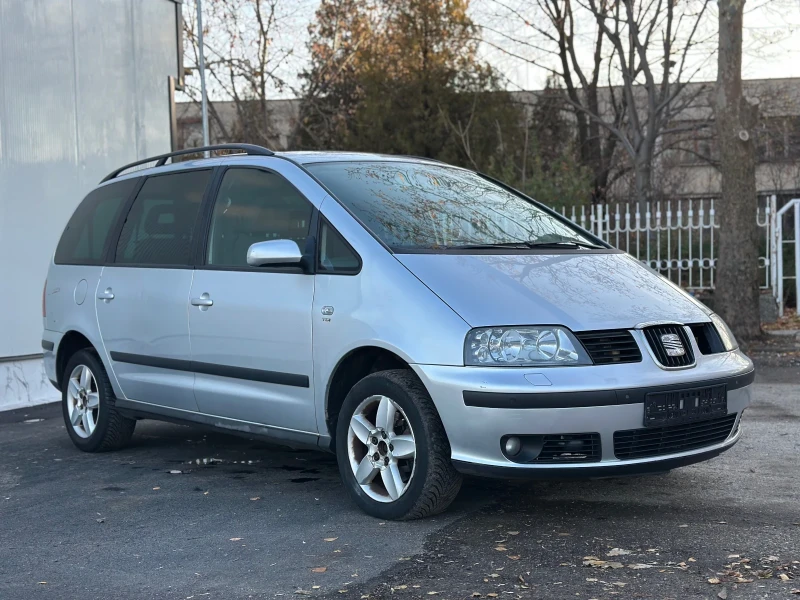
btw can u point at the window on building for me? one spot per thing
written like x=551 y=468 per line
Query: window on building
x=84 y=239
x=255 y=206
x=160 y=226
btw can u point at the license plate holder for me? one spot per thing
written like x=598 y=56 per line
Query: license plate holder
x=685 y=405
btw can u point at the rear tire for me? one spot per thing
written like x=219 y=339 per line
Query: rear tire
x=393 y=452
x=87 y=402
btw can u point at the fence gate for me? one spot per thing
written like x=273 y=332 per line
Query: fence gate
x=776 y=253
x=677 y=238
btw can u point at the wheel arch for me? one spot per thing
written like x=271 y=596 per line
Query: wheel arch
x=352 y=368
x=71 y=342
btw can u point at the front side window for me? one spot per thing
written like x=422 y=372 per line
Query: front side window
x=416 y=206
x=160 y=226
x=335 y=254
x=84 y=238
x=255 y=206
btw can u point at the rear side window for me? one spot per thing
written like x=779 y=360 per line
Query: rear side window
x=84 y=239
x=255 y=206
x=161 y=224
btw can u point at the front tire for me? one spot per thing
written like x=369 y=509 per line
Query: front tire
x=87 y=402
x=393 y=453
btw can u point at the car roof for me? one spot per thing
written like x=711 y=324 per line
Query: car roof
x=306 y=157
x=301 y=157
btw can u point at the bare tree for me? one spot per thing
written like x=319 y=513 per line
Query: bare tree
x=736 y=294
x=632 y=89
x=245 y=65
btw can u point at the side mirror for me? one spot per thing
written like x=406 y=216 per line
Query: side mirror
x=274 y=252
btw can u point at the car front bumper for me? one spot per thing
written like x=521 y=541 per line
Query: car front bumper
x=479 y=406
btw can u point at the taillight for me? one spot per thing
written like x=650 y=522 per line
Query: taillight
x=44 y=303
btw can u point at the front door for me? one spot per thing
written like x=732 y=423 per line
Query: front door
x=142 y=297
x=251 y=326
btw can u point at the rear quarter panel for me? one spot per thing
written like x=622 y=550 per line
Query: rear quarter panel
x=70 y=300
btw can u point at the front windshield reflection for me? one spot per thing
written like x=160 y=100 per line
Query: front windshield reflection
x=423 y=206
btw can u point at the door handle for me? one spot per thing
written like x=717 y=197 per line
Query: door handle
x=107 y=295
x=204 y=301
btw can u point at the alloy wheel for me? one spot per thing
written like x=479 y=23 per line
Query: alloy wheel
x=381 y=448
x=83 y=401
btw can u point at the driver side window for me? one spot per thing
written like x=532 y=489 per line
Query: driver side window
x=254 y=206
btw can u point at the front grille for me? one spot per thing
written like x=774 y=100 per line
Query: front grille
x=610 y=347
x=654 y=338
x=656 y=441
x=570 y=448
x=707 y=338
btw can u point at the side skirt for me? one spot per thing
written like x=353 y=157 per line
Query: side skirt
x=290 y=437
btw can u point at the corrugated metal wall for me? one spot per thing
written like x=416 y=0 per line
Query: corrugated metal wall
x=83 y=89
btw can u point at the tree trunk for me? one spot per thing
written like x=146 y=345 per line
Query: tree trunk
x=736 y=296
x=643 y=181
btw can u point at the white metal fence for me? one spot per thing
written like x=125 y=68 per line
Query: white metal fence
x=678 y=238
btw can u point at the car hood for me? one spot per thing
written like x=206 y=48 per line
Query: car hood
x=581 y=291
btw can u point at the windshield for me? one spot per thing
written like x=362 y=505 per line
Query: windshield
x=415 y=206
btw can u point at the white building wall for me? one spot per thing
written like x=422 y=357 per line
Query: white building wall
x=83 y=90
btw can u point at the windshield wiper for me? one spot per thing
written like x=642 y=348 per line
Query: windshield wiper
x=564 y=244
x=523 y=245
x=518 y=245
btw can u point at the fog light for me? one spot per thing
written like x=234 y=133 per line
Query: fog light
x=513 y=446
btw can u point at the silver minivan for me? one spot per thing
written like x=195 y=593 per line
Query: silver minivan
x=420 y=320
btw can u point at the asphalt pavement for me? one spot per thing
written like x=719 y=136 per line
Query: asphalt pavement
x=185 y=513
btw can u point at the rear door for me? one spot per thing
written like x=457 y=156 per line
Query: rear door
x=251 y=326
x=142 y=297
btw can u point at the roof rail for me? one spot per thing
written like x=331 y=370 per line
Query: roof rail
x=161 y=159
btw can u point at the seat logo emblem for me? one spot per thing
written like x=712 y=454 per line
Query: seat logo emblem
x=672 y=344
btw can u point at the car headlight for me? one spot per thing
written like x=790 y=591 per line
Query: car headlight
x=724 y=332
x=523 y=346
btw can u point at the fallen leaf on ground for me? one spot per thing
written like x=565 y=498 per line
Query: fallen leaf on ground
x=236 y=539
x=319 y=569
x=256 y=498
x=640 y=566
x=330 y=539
x=513 y=557
x=156 y=488
x=399 y=587
x=492 y=595
x=476 y=594
x=682 y=525
x=714 y=580
x=784 y=577
x=733 y=556
x=512 y=532
x=432 y=593
x=501 y=548
x=175 y=472
x=723 y=594
x=42 y=583
x=617 y=552
x=602 y=564
x=795 y=591
x=692 y=560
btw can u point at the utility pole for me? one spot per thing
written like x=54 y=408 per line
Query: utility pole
x=202 y=69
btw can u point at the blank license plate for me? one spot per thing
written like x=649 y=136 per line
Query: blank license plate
x=685 y=406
